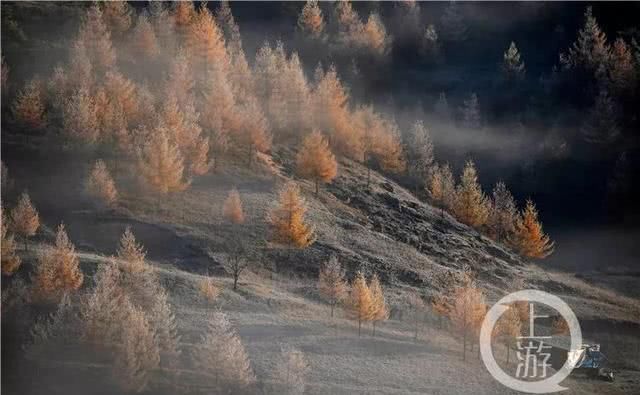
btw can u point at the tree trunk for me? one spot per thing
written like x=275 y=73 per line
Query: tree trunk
x=235 y=281
x=374 y=328
x=332 y=304
x=508 y=353
x=359 y=325
x=368 y=176
x=316 y=187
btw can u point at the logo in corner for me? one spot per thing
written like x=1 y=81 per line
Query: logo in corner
x=532 y=352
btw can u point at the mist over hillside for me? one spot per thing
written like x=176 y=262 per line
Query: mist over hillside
x=312 y=197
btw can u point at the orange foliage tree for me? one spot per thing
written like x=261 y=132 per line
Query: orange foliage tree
x=315 y=159
x=10 y=260
x=29 y=106
x=379 y=311
x=529 y=237
x=144 y=38
x=288 y=218
x=310 y=20
x=360 y=304
x=58 y=269
x=161 y=164
x=331 y=114
x=100 y=184
x=508 y=328
x=80 y=117
x=232 y=208
x=205 y=44
x=471 y=205
x=467 y=311
x=131 y=253
x=25 y=220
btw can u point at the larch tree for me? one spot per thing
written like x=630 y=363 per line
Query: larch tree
x=137 y=354
x=315 y=159
x=205 y=44
x=161 y=164
x=100 y=184
x=25 y=220
x=331 y=114
x=622 y=74
x=130 y=253
x=420 y=152
x=590 y=50
x=220 y=118
x=360 y=304
x=29 y=106
x=95 y=39
x=529 y=237
x=513 y=68
x=101 y=311
x=180 y=81
x=509 y=328
x=433 y=185
x=145 y=41
x=374 y=35
x=471 y=205
x=310 y=20
x=288 y=218
x=232 y=208
x=222 y=357
x=122 y=90
x=471 y=112
x=183 y=15
x=291 y=371
x=601 y=125
x=117 y=16
x=58 y=269
x=467 y=310
x=182 y=122
x=256 y=136
x=80 y=117
x=379 y=312
x=10 y=260
x=502 y=213
x=440 y=186
x=332 y=284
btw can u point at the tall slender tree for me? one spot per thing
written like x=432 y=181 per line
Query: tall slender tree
x=161 y=164
x=331 y=283
x=25 y=220
x=58 y=270
x=529 y=237
x=315 y=159
x=471 y=206
x=360 y=304
x=288 y=218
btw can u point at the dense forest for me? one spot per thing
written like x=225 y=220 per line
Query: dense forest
x=498 y=118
